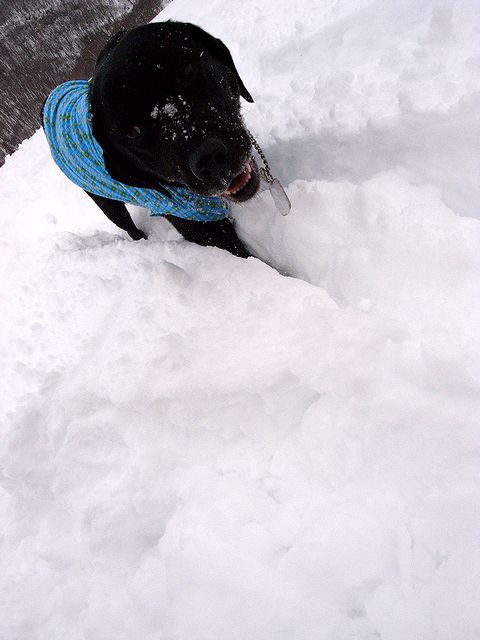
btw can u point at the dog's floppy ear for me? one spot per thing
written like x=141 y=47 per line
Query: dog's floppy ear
x=111 y=44
x=222 y=54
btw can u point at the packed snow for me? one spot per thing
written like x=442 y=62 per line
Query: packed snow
x=200 y=447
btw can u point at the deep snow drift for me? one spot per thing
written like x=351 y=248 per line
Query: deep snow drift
x=195 y=447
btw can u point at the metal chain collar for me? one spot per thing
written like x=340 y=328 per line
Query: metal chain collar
x=265 y=172
x=280 y=198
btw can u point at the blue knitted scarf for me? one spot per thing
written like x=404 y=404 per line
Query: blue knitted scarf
x=66 y=121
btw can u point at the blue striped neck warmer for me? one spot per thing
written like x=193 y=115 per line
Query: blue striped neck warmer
x=66 y=121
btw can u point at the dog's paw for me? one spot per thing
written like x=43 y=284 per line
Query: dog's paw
x=137 y=235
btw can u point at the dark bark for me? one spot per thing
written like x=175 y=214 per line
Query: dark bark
x=45 y=43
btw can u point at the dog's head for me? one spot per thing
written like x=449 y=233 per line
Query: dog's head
x=165 y=102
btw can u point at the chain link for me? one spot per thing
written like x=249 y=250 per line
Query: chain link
x=265 y=172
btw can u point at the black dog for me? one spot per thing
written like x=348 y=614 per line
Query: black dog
x=165 y=108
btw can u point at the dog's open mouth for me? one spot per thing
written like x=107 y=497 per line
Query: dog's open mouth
x=245 y=184
x=240 y=181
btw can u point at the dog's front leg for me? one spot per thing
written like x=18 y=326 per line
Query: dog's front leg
x=220 y=233
x=117 y=212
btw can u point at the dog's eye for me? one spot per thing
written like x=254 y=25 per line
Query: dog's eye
x=134 y=132
x=185 y=73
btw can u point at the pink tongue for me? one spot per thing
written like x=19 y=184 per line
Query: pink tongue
x=238 y=181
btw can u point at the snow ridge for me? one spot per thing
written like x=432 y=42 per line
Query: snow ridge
x=196 y=446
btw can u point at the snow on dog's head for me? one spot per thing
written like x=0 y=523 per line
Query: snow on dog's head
x=166 y=108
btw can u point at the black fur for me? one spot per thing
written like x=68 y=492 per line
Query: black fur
x=165 y=100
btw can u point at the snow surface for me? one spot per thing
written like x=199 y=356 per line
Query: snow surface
x=196 y=447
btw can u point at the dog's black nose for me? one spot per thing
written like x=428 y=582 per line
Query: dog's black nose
x=209 y=161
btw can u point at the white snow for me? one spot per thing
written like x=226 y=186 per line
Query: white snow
x=168 y=108
x=155 y=111
x=199 y=447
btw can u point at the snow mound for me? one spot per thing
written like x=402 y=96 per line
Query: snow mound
x=199 y=447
